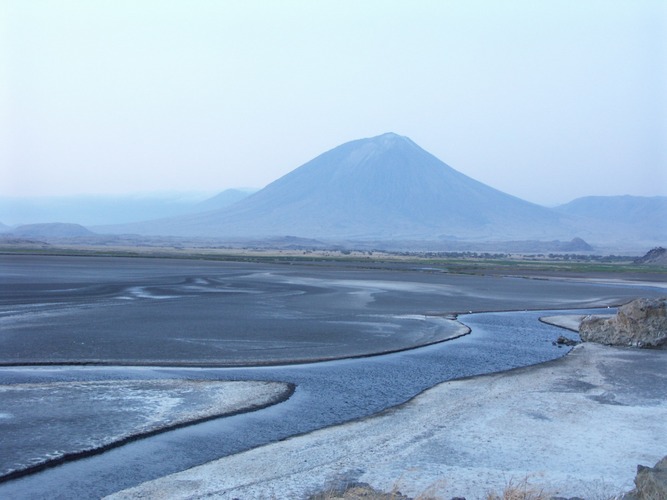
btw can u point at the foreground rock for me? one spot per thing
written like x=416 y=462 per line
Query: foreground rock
x=651 y=482
x=577 y=426
x=640 y=323
x=360 y=491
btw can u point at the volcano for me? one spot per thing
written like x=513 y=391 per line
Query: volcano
x=384 y=187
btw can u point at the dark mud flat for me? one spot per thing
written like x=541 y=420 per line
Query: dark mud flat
x=185 y=312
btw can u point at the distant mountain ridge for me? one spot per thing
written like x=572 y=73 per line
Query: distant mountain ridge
x=640 y=217
x=110 y=209
x=224 y=199
x=51 y=230
x=384 y=187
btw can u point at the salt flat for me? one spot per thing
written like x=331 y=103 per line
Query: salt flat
x=36 y=419
x=575 y=426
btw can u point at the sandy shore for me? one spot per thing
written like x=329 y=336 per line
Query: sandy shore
x=575 y=426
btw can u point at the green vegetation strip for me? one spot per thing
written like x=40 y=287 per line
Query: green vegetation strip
x=452 y=262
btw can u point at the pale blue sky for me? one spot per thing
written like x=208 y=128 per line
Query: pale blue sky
x=545 y=100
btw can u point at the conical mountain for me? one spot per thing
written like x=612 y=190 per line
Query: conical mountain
x=385 y=187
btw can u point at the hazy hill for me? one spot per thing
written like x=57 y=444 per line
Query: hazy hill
x=385 y=187
x=99 y=210
x=221 y=200
x=639 y=217
x=51 y=230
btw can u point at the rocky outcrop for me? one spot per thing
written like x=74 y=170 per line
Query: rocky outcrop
x=359 y=491
x=650 y=482
x=564 y=341
x=655 y=256
x=640 y=323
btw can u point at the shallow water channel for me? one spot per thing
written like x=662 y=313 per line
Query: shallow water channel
x=327 y=393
